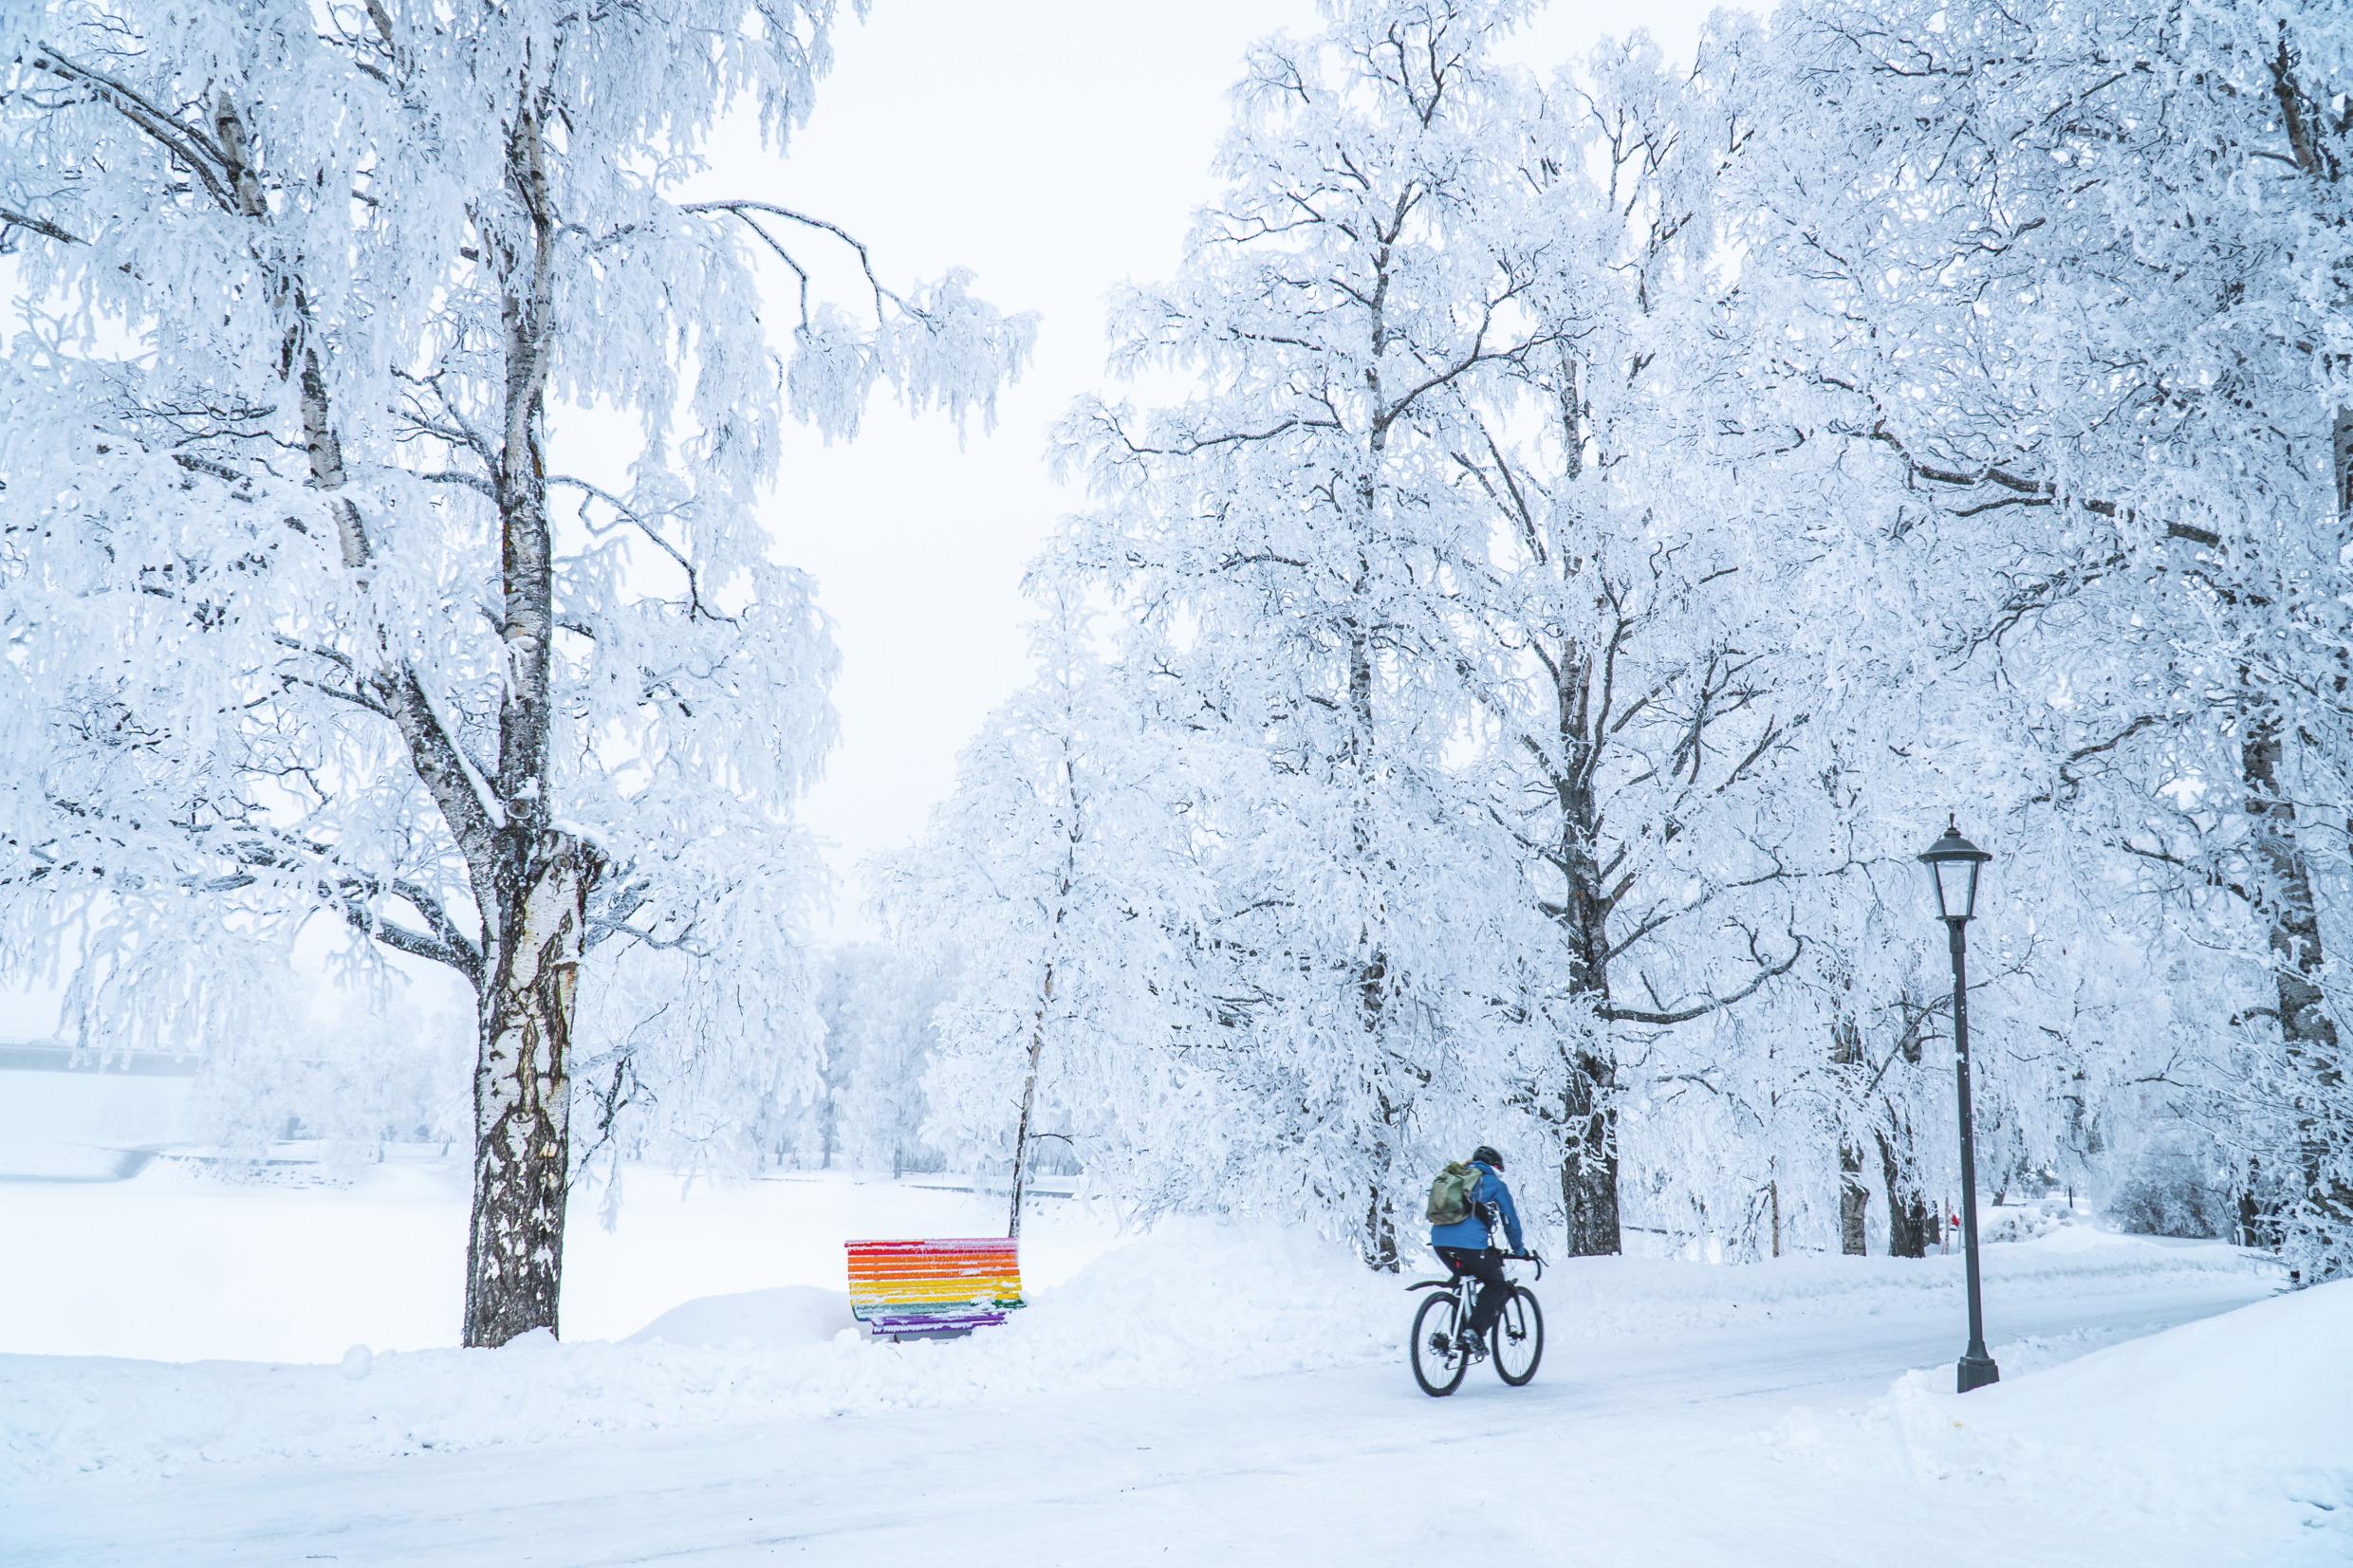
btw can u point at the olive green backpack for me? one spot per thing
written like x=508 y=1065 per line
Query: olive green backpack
x=1450 y=1194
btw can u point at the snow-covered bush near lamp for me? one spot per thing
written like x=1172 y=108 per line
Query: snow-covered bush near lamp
x=2169 y=1186
x=2026 y=1222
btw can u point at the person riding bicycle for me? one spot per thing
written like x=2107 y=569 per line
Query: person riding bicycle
x=1468 y=1245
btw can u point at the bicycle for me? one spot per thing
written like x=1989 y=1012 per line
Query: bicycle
x=1438 y=1350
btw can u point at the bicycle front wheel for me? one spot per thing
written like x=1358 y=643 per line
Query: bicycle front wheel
x=1517 y=1341
x=1437 y=1354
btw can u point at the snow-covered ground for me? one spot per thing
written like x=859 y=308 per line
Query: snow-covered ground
x=180 y=1264
x=1202 y=1393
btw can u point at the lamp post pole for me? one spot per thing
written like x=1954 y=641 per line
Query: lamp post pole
x=1976 y=1368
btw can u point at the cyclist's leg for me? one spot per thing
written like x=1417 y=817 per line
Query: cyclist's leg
x=1463 y=1263
x=1493 y=1290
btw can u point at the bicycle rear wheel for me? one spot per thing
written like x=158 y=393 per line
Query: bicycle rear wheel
x=1437 y=1354
x=1517 y=1341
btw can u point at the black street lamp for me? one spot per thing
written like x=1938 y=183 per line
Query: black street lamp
x=1952 y=865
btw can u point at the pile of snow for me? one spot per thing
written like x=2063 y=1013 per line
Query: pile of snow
x=1189 y=1303
x=753 y=1320
x=2229 y=1434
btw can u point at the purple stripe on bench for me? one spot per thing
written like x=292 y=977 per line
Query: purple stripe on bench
x=961 y=1323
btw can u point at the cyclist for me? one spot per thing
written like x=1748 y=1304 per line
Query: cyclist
x=1467 y=1247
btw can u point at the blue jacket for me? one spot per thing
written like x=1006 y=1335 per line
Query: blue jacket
x=1474 y=1231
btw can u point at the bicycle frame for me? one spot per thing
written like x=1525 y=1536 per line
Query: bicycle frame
x=1458 y=1284
x=1454 y=1281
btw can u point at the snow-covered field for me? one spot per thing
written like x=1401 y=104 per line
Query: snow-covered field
x=180 y=1264
x=1204 y=1393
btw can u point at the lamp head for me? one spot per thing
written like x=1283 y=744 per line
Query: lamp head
x=1952 y=865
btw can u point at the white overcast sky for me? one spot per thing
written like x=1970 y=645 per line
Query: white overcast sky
x=1057 y=148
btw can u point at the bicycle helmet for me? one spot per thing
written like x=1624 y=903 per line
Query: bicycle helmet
x=1485 y=1154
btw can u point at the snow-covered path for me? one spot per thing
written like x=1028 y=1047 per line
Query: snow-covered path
x=1727 y=1448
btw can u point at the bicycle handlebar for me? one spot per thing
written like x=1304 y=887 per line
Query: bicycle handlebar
x=1536 y=1258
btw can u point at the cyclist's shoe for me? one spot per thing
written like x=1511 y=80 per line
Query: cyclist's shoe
x=1473 y=1347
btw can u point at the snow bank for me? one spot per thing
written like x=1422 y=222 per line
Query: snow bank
x=1192 y=1302
x=55 y=1159
x=2229 y=1434
x=1639 y=1298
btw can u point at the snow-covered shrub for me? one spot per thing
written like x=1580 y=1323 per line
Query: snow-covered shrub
x=2024 y=1223
x=2172 y=1189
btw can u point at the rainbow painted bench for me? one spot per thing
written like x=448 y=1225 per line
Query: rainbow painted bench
x=942 y=1288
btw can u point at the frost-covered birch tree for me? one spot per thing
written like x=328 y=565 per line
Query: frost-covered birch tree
x=1061 y=879
x=307 y=614
x=1291 y=542
x=1639 y=601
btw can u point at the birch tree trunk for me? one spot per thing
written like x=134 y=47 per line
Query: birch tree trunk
x=1076 y=811
x=1381 y=1243
x=1588 y=1107
x=1380 y=1248
x=1029 y=1099
x=1589 y=1162
x=522 y=1100
x=2306 y=1026
x=1907 y=1211
x=1854 y=1196
x=1854 y=1201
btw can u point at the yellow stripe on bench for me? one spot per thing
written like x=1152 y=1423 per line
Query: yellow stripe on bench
x=939 y=1286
